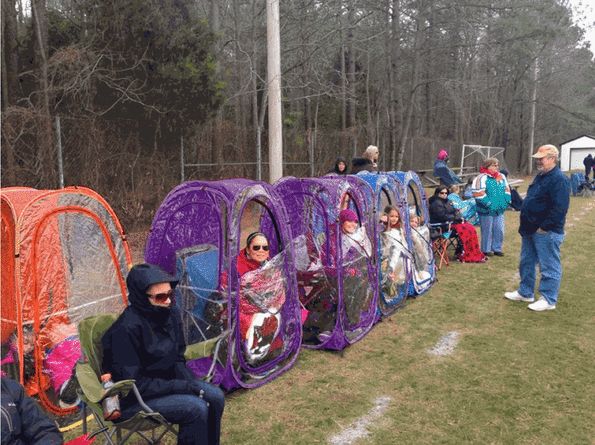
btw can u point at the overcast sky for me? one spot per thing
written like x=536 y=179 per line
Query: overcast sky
x=586 y=8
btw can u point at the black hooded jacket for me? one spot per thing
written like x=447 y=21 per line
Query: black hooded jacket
x=362 y=164
x=146 y=342
x=441 y=210
x=23 y=421
x=336 y=167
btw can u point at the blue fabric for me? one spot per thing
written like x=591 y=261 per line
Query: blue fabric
x=445 y=174
x=492 y=233
x=200 y=272
x=546 y=203
x=467 y=208
x=542 y=249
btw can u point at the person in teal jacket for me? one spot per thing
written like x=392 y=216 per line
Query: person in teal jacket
x=492 y=197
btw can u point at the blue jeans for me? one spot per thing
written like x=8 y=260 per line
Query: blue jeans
x=542 y=249
x=492 y=232
x=199 y=423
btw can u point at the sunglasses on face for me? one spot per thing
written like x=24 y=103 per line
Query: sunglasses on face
x=257 y=247
x=162 y=297
x=443 y=193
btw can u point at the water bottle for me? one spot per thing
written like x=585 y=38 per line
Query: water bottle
x=111 y=405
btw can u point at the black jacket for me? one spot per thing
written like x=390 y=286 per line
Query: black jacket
x=362 y=164
x=23 y=422
x=146 y=343
x=441 y=210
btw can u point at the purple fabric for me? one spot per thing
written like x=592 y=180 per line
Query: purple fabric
x=203 y=212
x=347 y=215
x=313 y=206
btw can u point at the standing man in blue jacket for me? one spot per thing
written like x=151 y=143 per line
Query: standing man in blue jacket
x=543 y=215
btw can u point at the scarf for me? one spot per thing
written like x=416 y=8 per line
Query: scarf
x=496 y=175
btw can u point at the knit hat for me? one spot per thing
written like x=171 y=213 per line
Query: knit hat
x=442 y=154
x=347 y=215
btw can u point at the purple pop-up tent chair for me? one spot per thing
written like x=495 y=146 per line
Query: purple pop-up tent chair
x=248 y=328
x=336 y=273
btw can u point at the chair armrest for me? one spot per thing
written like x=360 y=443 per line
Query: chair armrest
x=91 y=385
x=200 y=350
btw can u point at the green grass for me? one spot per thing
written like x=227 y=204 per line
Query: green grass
x=516 y=377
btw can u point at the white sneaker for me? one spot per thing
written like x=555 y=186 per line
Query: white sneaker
x=541 y=305
x=515 y=296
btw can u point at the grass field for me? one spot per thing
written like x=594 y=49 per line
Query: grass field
x=515 y=377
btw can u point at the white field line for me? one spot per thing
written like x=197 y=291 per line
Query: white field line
x=359 y=428
x=446 y=345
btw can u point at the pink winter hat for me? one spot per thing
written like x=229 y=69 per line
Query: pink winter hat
x=442 y=155
x=347 y=215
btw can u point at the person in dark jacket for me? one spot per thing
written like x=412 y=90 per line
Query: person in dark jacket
x=543 y=215
x=340 y=167
x=443 y=212
x=443 y=172
x=588 y=163
x=23 y=422
x=368 y=162
x=146 y=343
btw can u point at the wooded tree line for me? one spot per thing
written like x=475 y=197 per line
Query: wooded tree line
x=131 y=79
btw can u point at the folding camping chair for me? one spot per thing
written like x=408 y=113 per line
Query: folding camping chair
x=88 y=373
x=442 y=237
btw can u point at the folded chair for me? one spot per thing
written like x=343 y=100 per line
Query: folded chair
x=442 y=237
x=88 y=372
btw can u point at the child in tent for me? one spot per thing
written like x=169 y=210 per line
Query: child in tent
x=357 y=248
x=354 y=240
x=420 y=235
x=394 y=252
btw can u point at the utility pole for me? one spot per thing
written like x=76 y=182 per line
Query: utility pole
x=274 y=87
x=532 y=125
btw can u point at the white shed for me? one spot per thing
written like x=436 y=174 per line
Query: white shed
x=573 y=152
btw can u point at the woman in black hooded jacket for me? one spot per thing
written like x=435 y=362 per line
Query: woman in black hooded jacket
x=146 y=343
x=442 y=212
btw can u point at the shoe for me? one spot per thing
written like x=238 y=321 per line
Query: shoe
x=488 y=253
x=541 y=305
x=515 y=296
x=499 y=253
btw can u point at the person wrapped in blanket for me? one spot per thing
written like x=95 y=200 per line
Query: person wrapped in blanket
x=466 y=207
x=61 y=351
x=394 y=252
x=442 y=212
x=262 y=295
x=420 y=236
x=356 y=249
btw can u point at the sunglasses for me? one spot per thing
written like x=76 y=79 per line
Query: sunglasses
x=443 y=193
x=162 y=297
x=257 y=247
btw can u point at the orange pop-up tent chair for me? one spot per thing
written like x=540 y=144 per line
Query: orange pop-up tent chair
x=64 y=258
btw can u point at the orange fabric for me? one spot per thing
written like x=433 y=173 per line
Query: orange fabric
x=7 y=294
x=40 y=277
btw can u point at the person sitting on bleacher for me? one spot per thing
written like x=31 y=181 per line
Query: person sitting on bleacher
x=443 y=172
